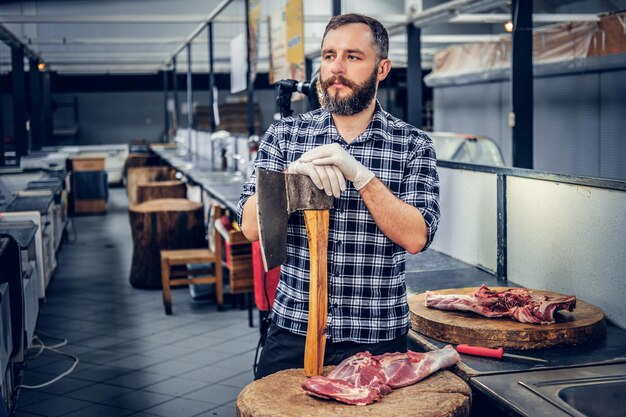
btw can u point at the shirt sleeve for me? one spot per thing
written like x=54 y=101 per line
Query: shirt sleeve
x=420 y=185
x=269 y=156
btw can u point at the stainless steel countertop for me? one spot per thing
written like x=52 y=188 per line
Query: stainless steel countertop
x=223 y=186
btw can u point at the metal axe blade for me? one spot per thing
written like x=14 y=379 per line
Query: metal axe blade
x=278 y=195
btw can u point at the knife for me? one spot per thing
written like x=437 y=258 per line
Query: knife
x=494 y=353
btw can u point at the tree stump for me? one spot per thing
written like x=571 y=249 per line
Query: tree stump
x=136 y=160
x=172 y=223
x=155 y=190
x=138 y=176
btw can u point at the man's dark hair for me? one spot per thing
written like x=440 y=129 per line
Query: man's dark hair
x=379 y=33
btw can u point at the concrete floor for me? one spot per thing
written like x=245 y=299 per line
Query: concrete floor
x=135 y=360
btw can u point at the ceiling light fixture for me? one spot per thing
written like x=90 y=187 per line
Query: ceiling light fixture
x=41 y=66
x=508 y=26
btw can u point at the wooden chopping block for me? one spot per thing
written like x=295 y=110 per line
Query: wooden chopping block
x=317 y=222
x=281 y=395
x=585 y=324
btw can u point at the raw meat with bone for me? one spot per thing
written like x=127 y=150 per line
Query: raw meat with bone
x=363 y=379
x=518 y=303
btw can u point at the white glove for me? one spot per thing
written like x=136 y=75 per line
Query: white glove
x=335 y=155
x=325 y=177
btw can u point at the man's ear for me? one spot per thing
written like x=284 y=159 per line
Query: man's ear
x=383 y=69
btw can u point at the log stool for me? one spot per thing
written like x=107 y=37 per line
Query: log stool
x=281 y=394
x=184 y=258
x=172 y=223
x=138 y=176
x=135 y=160
x=155 y=190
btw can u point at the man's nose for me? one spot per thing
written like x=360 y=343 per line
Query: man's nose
x=338 y=66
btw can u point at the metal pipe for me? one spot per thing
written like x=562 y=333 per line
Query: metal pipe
x=175 y=92
x=47 y=109
x=200 y=28
x=414 y=76
x=442 y=13
x=189 y=99
x=166 y=118
x=501 y=272
x=19 y=103
x=209 y=27
x=11 y=40
x=1 y=126
x=336 y=4
x=249 y=83
x=35 y=105
x=521 y=116
x=537 y=18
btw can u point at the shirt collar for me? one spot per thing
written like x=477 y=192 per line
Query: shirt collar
x=377 y=129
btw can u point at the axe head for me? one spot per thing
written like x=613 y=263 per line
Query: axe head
x=278 y=195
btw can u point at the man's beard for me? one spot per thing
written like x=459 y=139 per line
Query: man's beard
x=353 y=103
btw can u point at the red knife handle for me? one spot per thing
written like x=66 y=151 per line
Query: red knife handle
x=480 y=351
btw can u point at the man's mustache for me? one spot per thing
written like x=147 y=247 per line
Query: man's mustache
x=338 y=78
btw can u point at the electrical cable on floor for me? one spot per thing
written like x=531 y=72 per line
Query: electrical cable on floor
x=70 y=227
x=53 y=348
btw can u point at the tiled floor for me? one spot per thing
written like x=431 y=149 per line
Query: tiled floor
x=134 y=360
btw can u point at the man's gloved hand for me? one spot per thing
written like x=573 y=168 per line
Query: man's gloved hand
x=325 y=177
x=334 y=155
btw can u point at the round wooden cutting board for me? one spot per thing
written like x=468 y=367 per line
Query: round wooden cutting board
x=584 y=324
x=281 y=395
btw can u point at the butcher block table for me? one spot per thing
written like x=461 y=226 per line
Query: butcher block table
x=584 y=324
x=281 y=395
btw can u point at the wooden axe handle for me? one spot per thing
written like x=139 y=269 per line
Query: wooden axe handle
x=317 y=222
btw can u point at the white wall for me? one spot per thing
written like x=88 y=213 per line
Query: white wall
x=467 y=230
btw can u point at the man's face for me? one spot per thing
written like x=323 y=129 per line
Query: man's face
x=349 y=72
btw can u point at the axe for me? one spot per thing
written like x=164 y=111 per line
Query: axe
x=278 y=195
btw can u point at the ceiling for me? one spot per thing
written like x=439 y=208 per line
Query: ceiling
x=142 y=36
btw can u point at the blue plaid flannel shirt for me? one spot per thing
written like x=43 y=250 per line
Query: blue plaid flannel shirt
x=366 y=289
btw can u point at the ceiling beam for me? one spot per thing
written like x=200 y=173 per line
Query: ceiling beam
x=7 y=37
x=83 y=18
x=456 y=38
x=157 y=19
x=537 y=18
x=442 y=13
x=118 y=41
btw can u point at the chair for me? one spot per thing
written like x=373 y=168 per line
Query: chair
x=175 y=271
x=237 y=260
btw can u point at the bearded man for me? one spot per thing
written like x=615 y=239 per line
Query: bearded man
x=382 y=173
